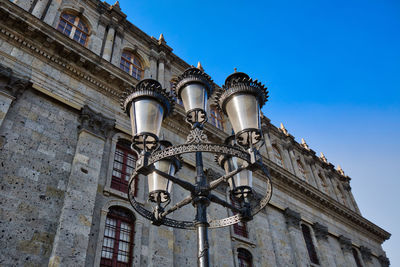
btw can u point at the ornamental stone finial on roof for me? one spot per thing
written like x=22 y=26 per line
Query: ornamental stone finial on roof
x=304 y=144
x=199 y=66
x=340 y=170
x=161 y=39
x=323 y=158
x=283 y=129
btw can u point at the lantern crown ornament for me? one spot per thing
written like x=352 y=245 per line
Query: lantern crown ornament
x=147 y=104
x=241 y=99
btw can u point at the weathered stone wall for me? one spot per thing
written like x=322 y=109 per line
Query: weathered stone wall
x=38 y=142
x=49 y=167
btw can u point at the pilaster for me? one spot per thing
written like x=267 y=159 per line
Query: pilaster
x=366 y=256
x=52 y=11
x=153 y=64
x=161 y=69
x=39 y=7
x=77 y=212
x=108 y=46
x=116 y=55
x=346 y=246
x=293 y=220
x=324 y=250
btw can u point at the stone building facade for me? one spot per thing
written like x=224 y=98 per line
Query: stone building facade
x=64 y=158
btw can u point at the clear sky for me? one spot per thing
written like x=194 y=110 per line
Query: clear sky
x=332 y=68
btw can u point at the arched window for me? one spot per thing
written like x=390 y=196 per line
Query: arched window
x=118 y=238
x=356 y=257
x=277 y=156
x=301 y=170
x=312 y=254
x=124 y=163
x=216 y=118
x=244 y=258
x=239 y=228
x=74 y=28
x=131 y=64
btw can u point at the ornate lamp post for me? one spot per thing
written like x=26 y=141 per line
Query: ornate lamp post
x=241 y=99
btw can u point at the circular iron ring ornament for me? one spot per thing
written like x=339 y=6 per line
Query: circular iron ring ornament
x=190 y=148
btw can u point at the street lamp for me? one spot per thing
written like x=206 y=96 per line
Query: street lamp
x=241 y=99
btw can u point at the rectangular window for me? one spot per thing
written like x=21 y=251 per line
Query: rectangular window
x=124 y=164
x=216 y=118
x=240 y=228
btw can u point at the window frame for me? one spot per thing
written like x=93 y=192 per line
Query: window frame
x=74 y=26
x=240 y=228
x=277 y=153
x=245 y=255
x=216 y=118
x=309 y=242
x=117 y=236
x=120 y=183
x=132 y=64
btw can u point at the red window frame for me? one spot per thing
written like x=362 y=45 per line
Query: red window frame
x=239 y=228
x=244 y=258
x=116 y=241
x=121 y=183
x=216 y=118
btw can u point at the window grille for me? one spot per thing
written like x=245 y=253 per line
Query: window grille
x=244 y=258
x=132 y=65
x=239 y=228
x=74 y=28
x=124 y=164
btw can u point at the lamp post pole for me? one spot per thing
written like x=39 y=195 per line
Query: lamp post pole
x=241 y=99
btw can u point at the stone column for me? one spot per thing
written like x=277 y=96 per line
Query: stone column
x=116 y=54
x=312 y=179
x=10 y=89
x=268 y=146
x=52 y=11
x=108 y=45
x=23 y=4
x=75 y=221
x=286 y=158
x=97 y=40
x=324 y=251
x=318 y=179
x=346 y=245
x=167 y=75
x=294 y=163
x=38 y=9
x=153 y=64
x=332 y=186
x=161 y=69
x=384 y=261
x=366 y=256
x=300 y=252
x=137 y=251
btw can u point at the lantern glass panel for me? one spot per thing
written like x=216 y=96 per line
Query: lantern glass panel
x=158 y=183
x=243 y=178
x=193 y=96
x=243 y=112
x=146 y=116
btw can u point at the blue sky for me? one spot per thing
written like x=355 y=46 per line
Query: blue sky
x=332 y=69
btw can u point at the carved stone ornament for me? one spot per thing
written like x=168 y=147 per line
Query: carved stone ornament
x=11 y=84
x=366 y=253
x=293 y=218
x=95 y=123
x=345 y=243
x=320 y=230
x=384 y=261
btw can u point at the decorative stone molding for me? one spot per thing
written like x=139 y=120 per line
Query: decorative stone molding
x=346 y=186
x=320 y=230
x=10 y=84
x=384 y=261
x=345 y=243
x=366 y=253
x=95 y=123
x=293 y=218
